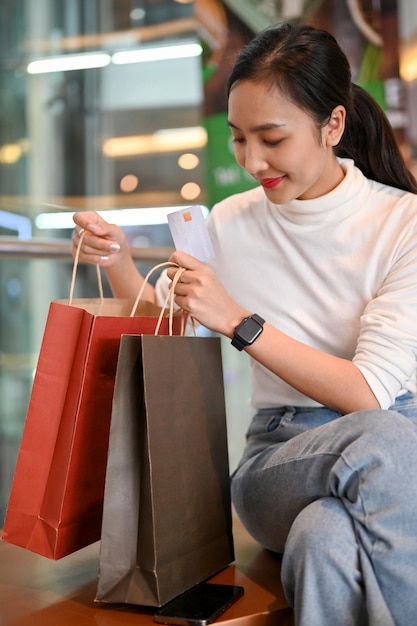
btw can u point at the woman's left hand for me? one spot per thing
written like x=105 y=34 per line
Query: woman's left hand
x=203 y=296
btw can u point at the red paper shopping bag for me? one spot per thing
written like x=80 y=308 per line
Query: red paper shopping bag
x=56 y=499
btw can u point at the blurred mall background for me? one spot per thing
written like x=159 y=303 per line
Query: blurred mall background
x=119 y=105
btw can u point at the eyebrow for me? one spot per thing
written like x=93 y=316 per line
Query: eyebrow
x=269 y=126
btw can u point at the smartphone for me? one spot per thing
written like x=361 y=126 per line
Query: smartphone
x=200 y=605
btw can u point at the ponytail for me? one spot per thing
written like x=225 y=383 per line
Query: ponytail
x=369 y=140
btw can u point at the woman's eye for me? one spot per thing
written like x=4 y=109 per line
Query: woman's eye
x=238 y=140
x=273 y=143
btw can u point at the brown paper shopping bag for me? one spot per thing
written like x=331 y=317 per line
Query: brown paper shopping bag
x=56 y=499
x=167 y=514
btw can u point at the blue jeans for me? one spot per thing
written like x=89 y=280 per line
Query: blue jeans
x=337 y=495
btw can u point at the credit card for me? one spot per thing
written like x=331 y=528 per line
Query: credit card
x=190 y=234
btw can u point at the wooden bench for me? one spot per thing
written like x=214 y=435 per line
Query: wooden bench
x=35 y=591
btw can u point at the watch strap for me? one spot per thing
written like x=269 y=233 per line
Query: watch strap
x=258 y=319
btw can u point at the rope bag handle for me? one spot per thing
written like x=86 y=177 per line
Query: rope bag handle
x=74 y=273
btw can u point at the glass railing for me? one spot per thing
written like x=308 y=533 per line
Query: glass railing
x=12 y=248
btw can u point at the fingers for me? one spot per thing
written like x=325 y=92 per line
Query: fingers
x=100 y=240
x=185 y=260
x=94 y=249
x=93 y=245
x=94 y=223
x=188 y=263
x=88 y=217
x=177 y=275
x=182 y=277
x=78 y=232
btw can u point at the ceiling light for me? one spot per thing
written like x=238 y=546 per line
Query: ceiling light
x=190 y=191
x=129 y=183
x=10 y=153
x=68 y=62
x=408 y=63
x=123 y=217
x=89 y=60
x=163 y=53
x=188 y=161
x=166 y=140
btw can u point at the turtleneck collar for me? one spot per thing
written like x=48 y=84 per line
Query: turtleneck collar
x=331 y=208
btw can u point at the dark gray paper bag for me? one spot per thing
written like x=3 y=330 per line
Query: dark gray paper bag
x=167 y=514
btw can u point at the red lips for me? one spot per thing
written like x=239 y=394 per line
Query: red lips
x=270 y=183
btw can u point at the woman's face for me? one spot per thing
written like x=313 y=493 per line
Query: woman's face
x=280 y=145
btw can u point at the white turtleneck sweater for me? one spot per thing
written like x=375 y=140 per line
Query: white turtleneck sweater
x=338 y=273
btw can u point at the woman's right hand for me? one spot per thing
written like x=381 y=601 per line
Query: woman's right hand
x=103 y=243
x=106 y=245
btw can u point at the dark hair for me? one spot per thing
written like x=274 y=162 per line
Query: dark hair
x=310 y=68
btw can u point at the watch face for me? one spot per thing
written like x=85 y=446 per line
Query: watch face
x=249 y=330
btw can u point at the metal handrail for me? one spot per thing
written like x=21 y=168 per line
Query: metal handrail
x=58 y=249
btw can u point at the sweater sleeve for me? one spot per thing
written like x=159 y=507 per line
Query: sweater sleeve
x=162 y=287
x=387 y=346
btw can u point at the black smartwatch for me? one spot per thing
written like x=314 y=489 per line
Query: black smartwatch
x=247 y=331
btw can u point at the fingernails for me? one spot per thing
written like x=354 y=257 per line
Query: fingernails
x=114 y=247
x=91 y=227
x=104 y=258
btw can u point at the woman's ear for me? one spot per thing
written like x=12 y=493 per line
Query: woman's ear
x=334 y=128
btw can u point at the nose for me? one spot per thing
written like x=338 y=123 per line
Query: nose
x=251 y=158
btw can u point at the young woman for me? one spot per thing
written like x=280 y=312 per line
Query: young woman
x=325 y=251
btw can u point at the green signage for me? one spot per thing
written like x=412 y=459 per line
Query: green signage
x=224 y=176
